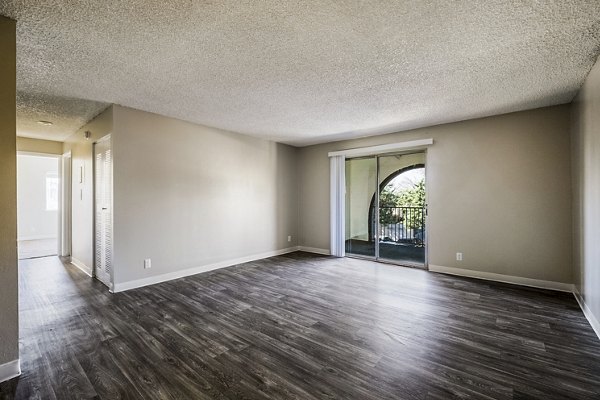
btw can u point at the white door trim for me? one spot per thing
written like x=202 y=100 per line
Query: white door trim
x=64 y=225
x=383 y=149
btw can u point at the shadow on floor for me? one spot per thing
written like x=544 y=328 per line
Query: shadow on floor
x=37 y=248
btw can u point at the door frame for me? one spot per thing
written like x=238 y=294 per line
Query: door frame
x=65 y=209
x=377 y=256
x=337 y=184
x=425 y=264
x=58 y=158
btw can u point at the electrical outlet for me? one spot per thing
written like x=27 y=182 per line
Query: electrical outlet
x=458 y=256
x=289 y=238
x=147 y=263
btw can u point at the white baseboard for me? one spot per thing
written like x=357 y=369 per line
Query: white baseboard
x=151 y=280
x=587 y=312
x=79 y=264
x=517 y=280
x=10 y=370
x=315 y=250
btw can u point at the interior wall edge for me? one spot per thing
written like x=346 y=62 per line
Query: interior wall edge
x=585 y=157
x=9 y=287
x=587 y=312
x=97 y=127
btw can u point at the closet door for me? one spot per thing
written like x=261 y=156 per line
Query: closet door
x=103 y=194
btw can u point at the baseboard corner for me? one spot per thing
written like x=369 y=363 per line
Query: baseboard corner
x=314 y=250
x=79 y=264
x=10 y=370
x=587 y=312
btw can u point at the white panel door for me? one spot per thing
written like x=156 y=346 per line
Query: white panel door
x=103 y=193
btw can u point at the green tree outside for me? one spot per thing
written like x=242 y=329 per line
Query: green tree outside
x=411 y=197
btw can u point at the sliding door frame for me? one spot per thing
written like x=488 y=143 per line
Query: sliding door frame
x=425 y=264
x=377 y=195
x=377 y=256
x=65 y=210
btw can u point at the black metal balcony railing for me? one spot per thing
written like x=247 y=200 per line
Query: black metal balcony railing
x=401 y=225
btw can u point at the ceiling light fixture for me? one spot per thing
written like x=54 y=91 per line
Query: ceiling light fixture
x=46 y=123
x=87 y=135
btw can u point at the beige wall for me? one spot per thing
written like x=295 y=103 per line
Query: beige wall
x=39 y=146
x=9 y=316
x=82 y=201
x=498 y=191
x=187 y=196
x=585 y=121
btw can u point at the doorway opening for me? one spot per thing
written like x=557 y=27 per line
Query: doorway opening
x=386 y=208
x=38 y=203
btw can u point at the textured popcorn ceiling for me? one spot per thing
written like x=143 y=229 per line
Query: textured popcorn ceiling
x=298 y=71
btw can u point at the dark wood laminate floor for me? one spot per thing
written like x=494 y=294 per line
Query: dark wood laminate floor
x=300 y=326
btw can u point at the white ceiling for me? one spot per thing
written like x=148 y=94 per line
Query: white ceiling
x=299 y=72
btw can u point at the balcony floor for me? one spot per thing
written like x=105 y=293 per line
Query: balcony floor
x=390 y=251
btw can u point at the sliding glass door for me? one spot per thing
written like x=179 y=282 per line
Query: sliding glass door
x=385 y=208
x=361 y=183
x=401 y=224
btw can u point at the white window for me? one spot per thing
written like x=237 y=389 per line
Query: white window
x=51 y=192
